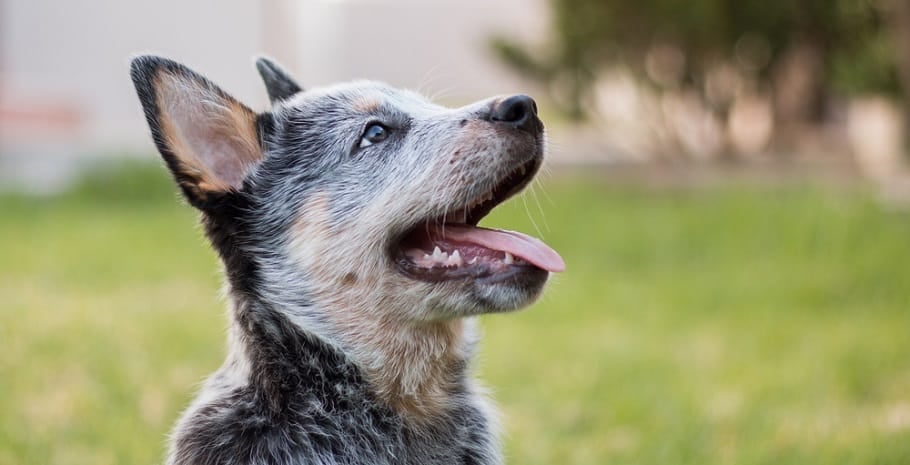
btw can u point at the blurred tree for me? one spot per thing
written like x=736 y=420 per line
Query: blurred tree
x=799 y=52
x=898 y=11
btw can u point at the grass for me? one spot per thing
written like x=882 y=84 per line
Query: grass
x=723 y=325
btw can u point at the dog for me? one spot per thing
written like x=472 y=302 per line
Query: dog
x=346 y=220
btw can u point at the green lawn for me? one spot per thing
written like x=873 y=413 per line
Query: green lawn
x=720 y=325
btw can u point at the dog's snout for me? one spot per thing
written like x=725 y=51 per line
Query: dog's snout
x=518 y=111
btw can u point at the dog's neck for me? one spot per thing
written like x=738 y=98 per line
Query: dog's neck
x=418 y=369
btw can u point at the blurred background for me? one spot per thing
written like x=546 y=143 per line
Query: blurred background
x=727 y=181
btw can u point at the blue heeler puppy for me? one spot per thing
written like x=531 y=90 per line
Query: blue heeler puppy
x=346 y=218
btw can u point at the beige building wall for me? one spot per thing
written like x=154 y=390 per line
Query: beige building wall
x=65 y=89
x=438 y=46
x=72 y=57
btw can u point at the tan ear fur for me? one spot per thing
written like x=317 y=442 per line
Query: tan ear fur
x=213 y=137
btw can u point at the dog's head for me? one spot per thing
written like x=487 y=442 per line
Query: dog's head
x=357 y=194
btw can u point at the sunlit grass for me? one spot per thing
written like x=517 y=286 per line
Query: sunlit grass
x=721 y=325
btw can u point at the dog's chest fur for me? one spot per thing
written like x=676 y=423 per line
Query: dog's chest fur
x=299 y=401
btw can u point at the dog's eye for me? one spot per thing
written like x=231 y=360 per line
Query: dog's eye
x=373 y=134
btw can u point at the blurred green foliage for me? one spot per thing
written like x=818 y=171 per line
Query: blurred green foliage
x=710 y=325
x=850 y=38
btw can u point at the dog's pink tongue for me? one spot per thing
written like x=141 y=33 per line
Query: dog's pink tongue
x=520 y=245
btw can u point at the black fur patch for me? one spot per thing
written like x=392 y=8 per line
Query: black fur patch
x=278 y=84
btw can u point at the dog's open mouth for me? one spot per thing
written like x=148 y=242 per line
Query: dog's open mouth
x=453 y=246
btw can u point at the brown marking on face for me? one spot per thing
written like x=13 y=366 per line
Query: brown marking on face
x=366 y=105
x=213 y=137
x=479 y=139
x=310 y=235
x=478 y=136
x=315 y=211
x=477 y=125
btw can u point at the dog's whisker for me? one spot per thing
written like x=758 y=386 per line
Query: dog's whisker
x=428 y=78
x=443 y=93
x=543 y=216
x=524 y=202
x=542 y=189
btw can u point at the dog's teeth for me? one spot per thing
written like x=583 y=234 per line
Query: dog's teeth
x=439 y=256
x=509 y=259
x=472 y=261
x=455 y=259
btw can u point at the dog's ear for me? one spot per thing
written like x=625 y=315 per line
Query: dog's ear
x=278 y=83
x=209 y=140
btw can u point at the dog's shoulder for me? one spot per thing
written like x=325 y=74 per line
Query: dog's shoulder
x=241 y=424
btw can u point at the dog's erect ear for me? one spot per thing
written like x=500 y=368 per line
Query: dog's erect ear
x=278 y=83
x=209 y=140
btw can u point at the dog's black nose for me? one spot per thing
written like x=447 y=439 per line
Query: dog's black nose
x=518 y=111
